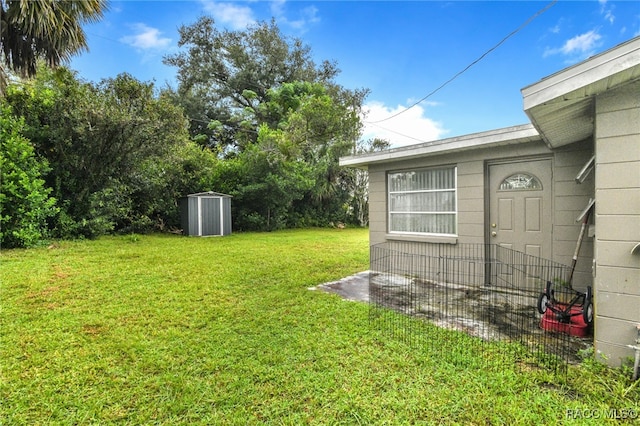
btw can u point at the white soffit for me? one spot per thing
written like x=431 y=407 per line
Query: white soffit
x=561 y=105
x=500 y=137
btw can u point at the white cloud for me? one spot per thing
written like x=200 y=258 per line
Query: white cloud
x=235 y=16
x=277 y=7
x=582 y=45
x=308 y=15
x=607 y=12
x=408 y=128
x=146 y=38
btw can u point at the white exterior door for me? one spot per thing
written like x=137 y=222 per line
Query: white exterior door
x=520 y=215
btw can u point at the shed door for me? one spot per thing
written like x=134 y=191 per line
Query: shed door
x=520 y=213
x=210 y=216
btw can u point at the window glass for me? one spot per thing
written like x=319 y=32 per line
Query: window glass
x=423 y=201
x=520 y=182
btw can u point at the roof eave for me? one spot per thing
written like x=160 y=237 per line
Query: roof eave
x=570 y=93
x=505 y=136
x=596 y=68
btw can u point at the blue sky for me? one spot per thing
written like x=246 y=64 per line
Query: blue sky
x=400 y=50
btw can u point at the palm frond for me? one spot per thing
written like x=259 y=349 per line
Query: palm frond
x=49 y=29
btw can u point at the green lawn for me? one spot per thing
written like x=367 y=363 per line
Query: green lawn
x=173 y=330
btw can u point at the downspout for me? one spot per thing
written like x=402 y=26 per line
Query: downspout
x=636 y=364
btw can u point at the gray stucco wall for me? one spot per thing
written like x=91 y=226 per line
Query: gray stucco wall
x=569 y=199
x=617 y=181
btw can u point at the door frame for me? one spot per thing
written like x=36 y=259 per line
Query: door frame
x=487 y=199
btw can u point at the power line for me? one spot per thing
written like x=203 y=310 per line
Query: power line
x=527 y=22
x=397 y=133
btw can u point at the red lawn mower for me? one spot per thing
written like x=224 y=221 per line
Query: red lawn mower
x=573 y=313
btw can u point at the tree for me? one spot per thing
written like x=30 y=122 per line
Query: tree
x=45 y=29
x=357 y=183
x=325 y=129
x=162 y=180
x=226 y=76
x=111 y=147
x=25 y=204
x=264 y=180
x=257 y=97
x=316 y=130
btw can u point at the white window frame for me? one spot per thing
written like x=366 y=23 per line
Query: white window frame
x=391 y=193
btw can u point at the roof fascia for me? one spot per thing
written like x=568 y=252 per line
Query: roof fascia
x=505 y=136
x=592 y=70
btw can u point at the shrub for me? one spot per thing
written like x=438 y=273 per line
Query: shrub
x=25 y=204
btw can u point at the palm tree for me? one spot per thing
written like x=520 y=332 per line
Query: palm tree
x=42 y=29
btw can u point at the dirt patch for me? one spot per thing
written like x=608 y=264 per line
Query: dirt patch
x=93 y=329
x=45 y=293
x=49 y=296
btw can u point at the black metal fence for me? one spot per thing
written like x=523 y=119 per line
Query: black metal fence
x=487 y=291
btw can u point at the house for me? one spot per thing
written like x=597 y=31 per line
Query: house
x=523 y=187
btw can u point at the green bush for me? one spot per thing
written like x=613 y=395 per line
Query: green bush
x=25 y=204
x=111 y=147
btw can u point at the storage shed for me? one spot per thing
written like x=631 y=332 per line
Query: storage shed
x=206 y=214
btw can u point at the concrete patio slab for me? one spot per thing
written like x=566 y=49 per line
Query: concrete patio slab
x=354 y=287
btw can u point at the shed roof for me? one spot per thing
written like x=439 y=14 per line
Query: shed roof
x=209 y=194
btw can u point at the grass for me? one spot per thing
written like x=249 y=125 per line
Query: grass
x=173 y=330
